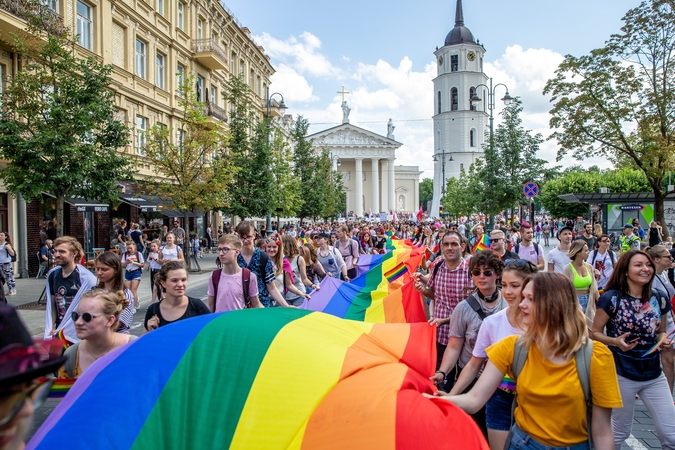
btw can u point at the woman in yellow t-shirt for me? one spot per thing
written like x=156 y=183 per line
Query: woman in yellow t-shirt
x=551 y=406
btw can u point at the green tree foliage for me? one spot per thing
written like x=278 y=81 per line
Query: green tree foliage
x=618 y=101
x=306 y=161
x=196 y=172
x=582 y=181
x=426 y=191
x=285 y=197
x=460 y=199
x=510 y=163
x=329 y=186
x=251 y=191
x=58 y=131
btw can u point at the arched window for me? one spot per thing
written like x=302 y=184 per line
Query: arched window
x=472 y=91
x=438 y=140
x=439 y=102
x=472 y=138
x=454 y=100
x=461 y=167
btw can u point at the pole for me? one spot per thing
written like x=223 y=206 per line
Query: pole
x=21 y=236
x=268 y=222
x=491 y=105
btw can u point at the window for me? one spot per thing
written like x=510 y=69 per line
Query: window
x=200 y=89
x=84 y=25
x=181 y=16
x=214 y=95
x=214 y=37
x=233 y=63
x=160 y=7
x=472 y=138
x=140 y=58
x=241 y=69
x=454 y=63
x=160 y=78
x=200 y=28
x=454 y=100
x=250 y=79
x=472 y=105
x=52 y=4
x=257 y=86
x=180 y=139
x=141 y=130
x=264 y=92
x=180 y=76
x=439 y=102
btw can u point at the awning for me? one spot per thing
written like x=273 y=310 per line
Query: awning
x=145 y=203
x=84 y=205
x=177 y=214
x=611 y=197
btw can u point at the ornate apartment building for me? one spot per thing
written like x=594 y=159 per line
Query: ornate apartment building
x=151 y=45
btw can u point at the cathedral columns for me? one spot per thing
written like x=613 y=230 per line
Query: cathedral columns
x=375 y=185
x=391 y=185
x=358 y=187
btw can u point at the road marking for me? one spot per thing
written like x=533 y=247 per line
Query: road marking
x=634 y=443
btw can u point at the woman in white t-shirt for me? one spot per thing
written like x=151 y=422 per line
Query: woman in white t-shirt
x=515 y=276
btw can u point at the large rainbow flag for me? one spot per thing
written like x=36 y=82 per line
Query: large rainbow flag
x=481 y=244
x=263 y=379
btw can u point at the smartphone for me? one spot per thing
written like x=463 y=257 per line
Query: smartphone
x=633 y=338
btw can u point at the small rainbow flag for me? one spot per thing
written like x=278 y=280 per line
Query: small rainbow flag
x=61 y=387
x=656 y=346
x=396 y=272
x=62 y=337
x=481 y=244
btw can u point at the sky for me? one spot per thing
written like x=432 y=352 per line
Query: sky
x=382 y=53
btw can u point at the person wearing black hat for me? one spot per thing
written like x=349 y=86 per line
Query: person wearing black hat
x=22 y=363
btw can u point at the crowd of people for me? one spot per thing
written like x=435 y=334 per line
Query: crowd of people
x=543 y=352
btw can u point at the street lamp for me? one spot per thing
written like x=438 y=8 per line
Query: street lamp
x=507 y=99
x=443 y=170
x=281 y=107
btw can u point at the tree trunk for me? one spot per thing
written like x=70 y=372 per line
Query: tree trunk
x=186 y=242
x=59 y=214
x=659 y=213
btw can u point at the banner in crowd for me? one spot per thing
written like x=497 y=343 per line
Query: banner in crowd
x=263 y=379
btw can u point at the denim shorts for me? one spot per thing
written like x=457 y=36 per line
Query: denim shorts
x=583 y=300
x=498 y=411
x=520 y=440
x=131 y=276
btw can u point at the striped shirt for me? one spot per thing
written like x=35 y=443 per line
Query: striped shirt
x=448 y=286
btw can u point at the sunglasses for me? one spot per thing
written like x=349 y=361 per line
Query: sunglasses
x=37 y=395
x=87 y=317
x=477 y=272
x=492 y=241
x=520 y=263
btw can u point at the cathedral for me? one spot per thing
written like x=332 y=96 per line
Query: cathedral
x=459 y=123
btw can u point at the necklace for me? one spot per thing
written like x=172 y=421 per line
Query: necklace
x=102 y=354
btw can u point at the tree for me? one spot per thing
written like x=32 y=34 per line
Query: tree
x=586 y=181
x=509 y=163
x=285 y=197
x=426 y=191
x=328 y=185
x=196 y=172
x=459 y=199
x=253 y=183
x=306 y=164
x=618 y=101
x=58 y=131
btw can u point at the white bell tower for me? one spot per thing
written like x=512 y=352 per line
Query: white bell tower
x=459 y=125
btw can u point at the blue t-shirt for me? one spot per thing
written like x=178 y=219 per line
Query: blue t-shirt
x=629 y=315
x=265 y=274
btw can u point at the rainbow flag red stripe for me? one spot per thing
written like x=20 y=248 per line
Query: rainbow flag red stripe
x=62 y=337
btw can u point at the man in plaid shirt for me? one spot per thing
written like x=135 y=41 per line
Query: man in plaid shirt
x=445 y=286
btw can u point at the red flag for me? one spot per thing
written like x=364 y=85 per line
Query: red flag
x=419 y=213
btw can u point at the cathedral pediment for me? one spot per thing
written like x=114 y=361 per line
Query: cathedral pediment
x=352 y=136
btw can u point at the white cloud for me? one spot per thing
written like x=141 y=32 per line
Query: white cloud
x=300 y=53
x=295 y=87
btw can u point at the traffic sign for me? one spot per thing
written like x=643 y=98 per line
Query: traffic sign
x=530 y=189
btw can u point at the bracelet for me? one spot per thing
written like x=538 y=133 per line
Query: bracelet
x=445 y=375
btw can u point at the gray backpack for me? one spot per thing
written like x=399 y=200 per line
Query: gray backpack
x=582 y=358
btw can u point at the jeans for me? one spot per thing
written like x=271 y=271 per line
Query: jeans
x=498 y=411
x=583 y=300
x=520 y=440
x=656 y=397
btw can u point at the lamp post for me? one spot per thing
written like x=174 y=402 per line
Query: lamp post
x=281 y=107
x=507 y=99
x=443 y=172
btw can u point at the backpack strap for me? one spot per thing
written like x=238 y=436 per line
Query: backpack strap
x=245 y=282
x=215 y=280
x=475 y=305
x=436 y=268
x=264 y=258
x=519 y=359
x=582 y=358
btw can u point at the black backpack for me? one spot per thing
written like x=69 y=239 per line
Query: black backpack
x=516 y=250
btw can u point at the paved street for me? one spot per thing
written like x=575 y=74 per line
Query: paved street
x=643 y=433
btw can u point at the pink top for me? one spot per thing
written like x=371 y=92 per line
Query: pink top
x=231 y=291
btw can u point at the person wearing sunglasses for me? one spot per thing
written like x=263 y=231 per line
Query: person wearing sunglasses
x=498 y=245
x=22 y=364
x=486 y=268
x=96 y=319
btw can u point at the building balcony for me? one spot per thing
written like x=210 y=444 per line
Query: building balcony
x=209 y=54
x=14 y=13
x=215 y=112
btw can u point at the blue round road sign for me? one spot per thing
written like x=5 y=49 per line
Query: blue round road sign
x=530 y=189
